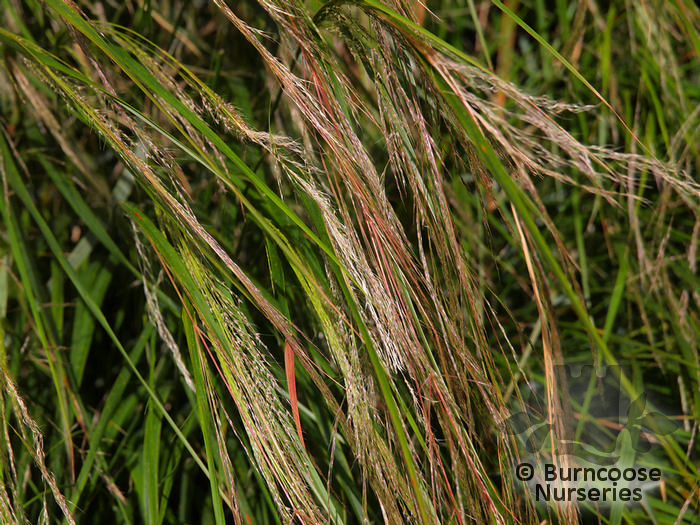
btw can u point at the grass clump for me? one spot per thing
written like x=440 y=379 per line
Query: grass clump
x=285 y=262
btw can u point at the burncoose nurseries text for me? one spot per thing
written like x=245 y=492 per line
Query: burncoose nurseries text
x=607 y=479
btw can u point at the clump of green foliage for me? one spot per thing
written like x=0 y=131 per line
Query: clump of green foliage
x=286 y=262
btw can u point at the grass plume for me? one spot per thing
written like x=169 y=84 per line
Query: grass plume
x=298 y=263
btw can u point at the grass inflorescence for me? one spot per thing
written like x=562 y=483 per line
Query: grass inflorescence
x=278 y=262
